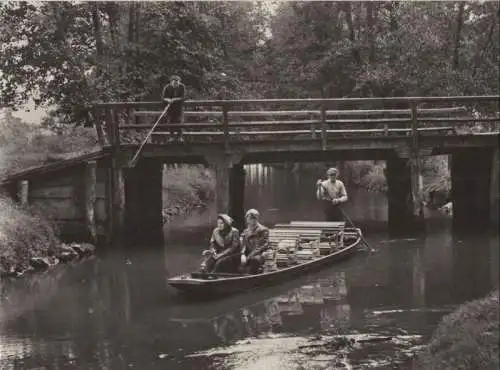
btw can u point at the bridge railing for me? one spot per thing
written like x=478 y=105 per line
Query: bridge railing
x=322 y=120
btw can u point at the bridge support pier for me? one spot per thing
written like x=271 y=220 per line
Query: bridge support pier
x=237 y=195
x=230 y=184
x=221 y=169
x=116 y=204
x=494 y=190
x=144 y=203
x=473 y=173
x=405 y=210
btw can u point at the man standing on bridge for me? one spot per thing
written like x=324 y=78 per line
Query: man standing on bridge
x=331 y=193
x=174 y=93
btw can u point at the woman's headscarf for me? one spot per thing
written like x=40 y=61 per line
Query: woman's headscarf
x=228 y=221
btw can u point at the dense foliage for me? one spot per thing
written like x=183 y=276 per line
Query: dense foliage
x=24 y=145
x=340 y=49
x=73 y=53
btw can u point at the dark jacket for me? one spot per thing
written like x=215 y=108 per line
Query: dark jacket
x=255 y=240
x=228 y=242
x=171 y=92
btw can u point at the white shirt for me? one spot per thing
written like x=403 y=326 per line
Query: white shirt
x=333 y=190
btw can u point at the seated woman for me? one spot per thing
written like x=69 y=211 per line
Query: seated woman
x=223 y=254
x=254 y=241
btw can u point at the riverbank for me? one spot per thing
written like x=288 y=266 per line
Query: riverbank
x=465 y=339
x=28 y=242
x=28 y=239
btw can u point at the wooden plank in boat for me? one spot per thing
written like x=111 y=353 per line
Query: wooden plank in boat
x=301 y=228
x=215 y=275
x=294 y=231
x=318 y=225
x=294 y=234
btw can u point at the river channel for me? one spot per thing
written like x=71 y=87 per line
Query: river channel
x=115 y=310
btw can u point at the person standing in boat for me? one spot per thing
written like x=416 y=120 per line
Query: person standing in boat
x=332 y=194
x=223 y=254
x=254 y=241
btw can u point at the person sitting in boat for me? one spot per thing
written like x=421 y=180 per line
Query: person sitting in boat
x=332 y=194
x=223 y=254
x=254 y=241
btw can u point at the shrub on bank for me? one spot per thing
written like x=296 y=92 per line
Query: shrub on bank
x=23 y=235
x=466 y=339
x=187 y=187
x=435 y=173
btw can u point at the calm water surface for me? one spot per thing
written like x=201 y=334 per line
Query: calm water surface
x=115 y=311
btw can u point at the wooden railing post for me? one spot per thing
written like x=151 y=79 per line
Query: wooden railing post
x=225 y=126
x=117 y=186
x=323 y=127
x=90 y=199
x=109 y=114
x=415 y=165
x=98 y=126
x=23 y=192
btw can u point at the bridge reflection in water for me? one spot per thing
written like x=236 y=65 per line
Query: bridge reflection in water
x=114 y=311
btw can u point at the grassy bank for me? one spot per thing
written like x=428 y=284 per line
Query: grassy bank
x=24 y=234
x=466 y=339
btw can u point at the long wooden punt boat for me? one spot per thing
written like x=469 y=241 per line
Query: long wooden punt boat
x=200 y=284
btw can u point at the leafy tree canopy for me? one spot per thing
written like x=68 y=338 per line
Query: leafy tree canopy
x=73 y=54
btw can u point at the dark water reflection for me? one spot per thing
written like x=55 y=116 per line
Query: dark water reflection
x=116 y=312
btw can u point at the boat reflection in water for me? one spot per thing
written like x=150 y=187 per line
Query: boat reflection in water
x=323 y=302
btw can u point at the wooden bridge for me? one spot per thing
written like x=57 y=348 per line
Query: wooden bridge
x=227 y=134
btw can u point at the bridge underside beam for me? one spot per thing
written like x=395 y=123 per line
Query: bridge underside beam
x=471 y=183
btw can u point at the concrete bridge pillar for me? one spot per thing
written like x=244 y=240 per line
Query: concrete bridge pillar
x=473 y=173
x=405 y=212
x=144 y=203
x=230 y=183
x=237 y=195
x=494 y=190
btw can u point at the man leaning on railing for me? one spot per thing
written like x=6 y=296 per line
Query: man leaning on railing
x=174 y=93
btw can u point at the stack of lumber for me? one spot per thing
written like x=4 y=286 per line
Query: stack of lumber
x=331 y=233
x=302 y=241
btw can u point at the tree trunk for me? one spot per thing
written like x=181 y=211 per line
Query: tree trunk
x=371 y=31
x=98 y=38
x=480 y=53
x=460 y=16
x=352 y=35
